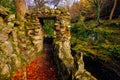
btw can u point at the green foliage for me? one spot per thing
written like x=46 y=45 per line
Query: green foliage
x=79 y=30
x=97 y=9
x=115 y=50
x=103 y=40
x=114 y=25
x=48 y=28
x=9 y=4
x=4 y=77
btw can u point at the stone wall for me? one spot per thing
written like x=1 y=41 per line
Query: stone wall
x=20 y=42
x=9 y=60
x=62 y=51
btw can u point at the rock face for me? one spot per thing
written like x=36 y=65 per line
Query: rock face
x=20 y=42
x=9 y=61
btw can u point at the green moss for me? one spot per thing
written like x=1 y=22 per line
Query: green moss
x=4 y=77
x=103 y=40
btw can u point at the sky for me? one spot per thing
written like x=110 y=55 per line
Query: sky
x=63 y=2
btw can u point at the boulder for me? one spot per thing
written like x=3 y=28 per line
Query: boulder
x=3 y=37
x=16 y=60
x=1 y=20
x=6 y=47
x=6 y=70
x=11 y=17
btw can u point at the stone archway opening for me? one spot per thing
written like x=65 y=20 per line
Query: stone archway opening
x=60 y=50
x=48 y=24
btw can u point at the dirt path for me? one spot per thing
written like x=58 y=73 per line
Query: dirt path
x=41 y=68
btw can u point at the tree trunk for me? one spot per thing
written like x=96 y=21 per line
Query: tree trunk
x=20 y=9
x=113 y=9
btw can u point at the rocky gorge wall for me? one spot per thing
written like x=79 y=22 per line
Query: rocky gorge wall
x=21 y=42
x=8 y=59
x=18 y=44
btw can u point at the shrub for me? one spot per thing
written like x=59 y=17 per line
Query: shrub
x=48 y=28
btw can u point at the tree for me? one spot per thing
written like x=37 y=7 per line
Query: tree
x=113 y=9
x=97 y=9
x=41 y=3
x=55 y=2
x=75 y=11
x=96 y=5
x=20 y=9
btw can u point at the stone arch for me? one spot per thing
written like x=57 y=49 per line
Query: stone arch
x=47 y=39
x=62 y=49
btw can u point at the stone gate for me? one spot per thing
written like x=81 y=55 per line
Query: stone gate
x=61 y=44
